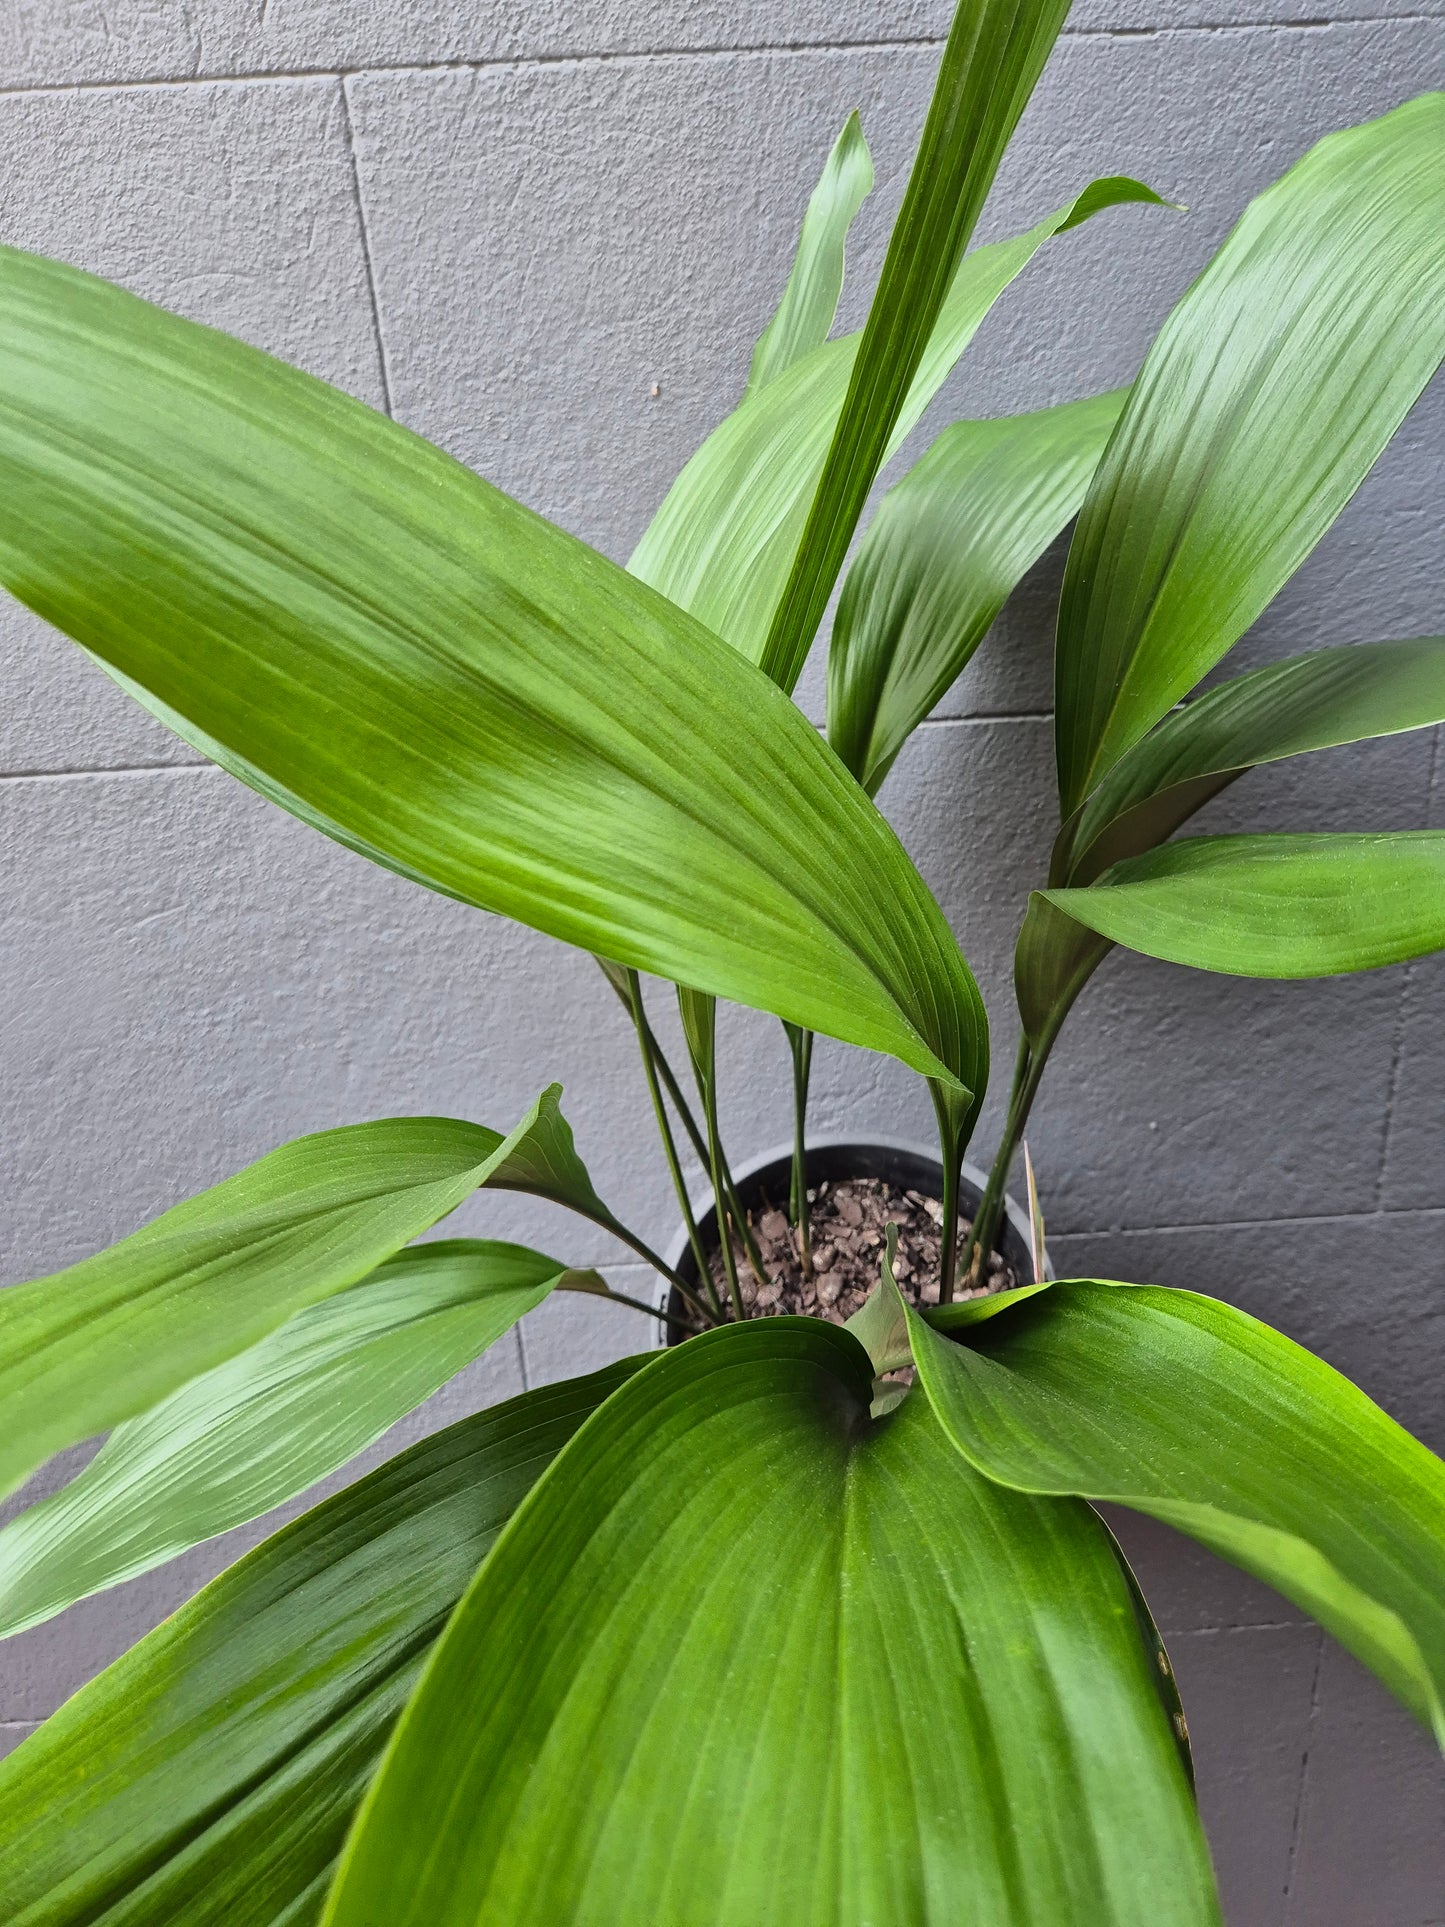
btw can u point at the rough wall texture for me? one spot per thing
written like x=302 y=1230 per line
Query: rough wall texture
x=508 y=223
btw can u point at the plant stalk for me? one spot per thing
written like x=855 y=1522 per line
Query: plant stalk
x=658 y=1263
x=715 y=1163
x=1028 y=1072
x=800 y=1042
x=647 y=1044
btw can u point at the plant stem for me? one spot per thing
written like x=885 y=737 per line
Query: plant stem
x=638 y=1304
x=948 y=1262
x=800 y=1042
x=643 y=1250
x=659 y=1110
x=730 y=1268
x=1028 y=1072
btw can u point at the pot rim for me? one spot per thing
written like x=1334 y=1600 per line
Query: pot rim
x=701 y=1202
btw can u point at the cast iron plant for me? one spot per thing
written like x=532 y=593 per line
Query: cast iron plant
x=733 y=1632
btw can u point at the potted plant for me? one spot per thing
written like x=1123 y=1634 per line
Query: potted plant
x=752 y=1628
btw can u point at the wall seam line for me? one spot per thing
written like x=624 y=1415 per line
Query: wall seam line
x=1297 y=1824
x=641 y=55
x=1402 y=1007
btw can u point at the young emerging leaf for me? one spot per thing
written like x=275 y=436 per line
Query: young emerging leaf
x=850 y=1682
x=1097 y=1389
x=211 y=1773
x=1259 y=410
x=946 y=548
x=723 y=542
x=995 y=52
x=271 y=1421
x=810 y=300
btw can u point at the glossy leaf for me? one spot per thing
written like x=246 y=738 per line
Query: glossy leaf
x=452 y=683
x=209 y=1776
x=1311 y=702
x=108 y=1337
x=270 y=1422
x=845 y=1680
x=1274 y=906
x=1259 y=410
x=722 y=543
x=1182 y=1407
x=994 y=54
x=946 y=548
x=810 y=300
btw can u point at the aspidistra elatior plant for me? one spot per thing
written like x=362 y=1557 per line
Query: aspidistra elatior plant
x=744 y=1629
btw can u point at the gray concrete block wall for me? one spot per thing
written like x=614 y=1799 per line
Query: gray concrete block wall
x=507 y=223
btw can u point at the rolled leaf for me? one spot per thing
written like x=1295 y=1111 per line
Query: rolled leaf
x=1317 y=701
x=210 y=1775
x=994 y=54
x=375 y=636
x=810 y=300
x=1261 y=406
x=723 y=542
x=946 y=548
x=108 y=1337
x=850 y=1681
x=1274 y=906
x=1054 y=958
x=1184 y=1408
x=270 y=1422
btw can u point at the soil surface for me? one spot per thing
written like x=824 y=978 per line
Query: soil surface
x=848 y=1220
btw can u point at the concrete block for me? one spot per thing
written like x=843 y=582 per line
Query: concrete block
x=1247 y=1694
x=233 y=205
x=1371 y=1842
x=91 y=41
x=195 y=978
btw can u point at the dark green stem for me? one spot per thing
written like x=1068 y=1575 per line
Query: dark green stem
x=643 y=1250
x=725 y=1243
x=637 y=1304
x=1028 y=1073
x=800 y=1042
x=647 y=1043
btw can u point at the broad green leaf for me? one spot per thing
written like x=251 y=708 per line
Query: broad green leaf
x=1274 y=906
x=1311 y=702
x=449 y=681
x=103 y=1340
x=209 y=1776
x=948 y=545
x=994 y=54
x=1054 y=958
x=270 y=1422
x=723 y=542
x=745 y=1656
x=1259 y=410
x=810 y=300
x=1182 y=1407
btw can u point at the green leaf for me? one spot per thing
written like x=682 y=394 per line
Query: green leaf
x=1054 y=958
x=948 y=545
x=1310 y=702
x=1259 y=410
x=270 y=1422
x=745 y=1656
x=1179 y=1406
x=1274 y=906
x=994 y=54
x=108 y=1337
x=810 y=300
x=378 y=638
x=723 y=542
x=211 y=1773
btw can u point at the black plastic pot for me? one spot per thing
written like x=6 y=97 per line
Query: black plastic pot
x=767 y=1180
